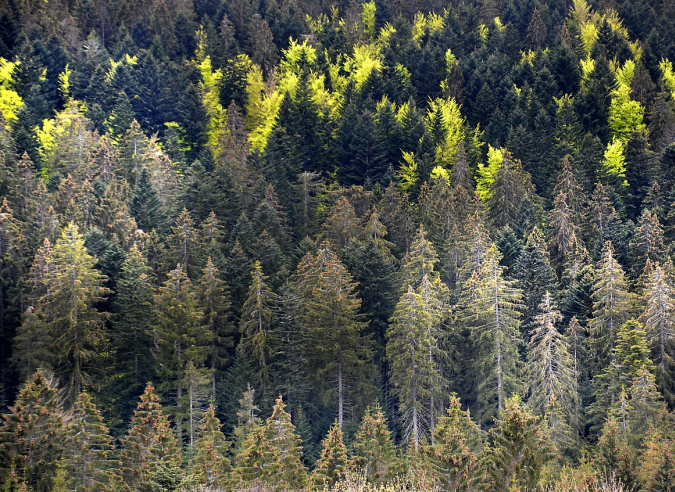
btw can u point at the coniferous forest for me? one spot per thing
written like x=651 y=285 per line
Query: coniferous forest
x=293 y=245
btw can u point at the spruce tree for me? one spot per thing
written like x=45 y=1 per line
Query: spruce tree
x=458 y=444
x=214 y=301
x=519 y=450
x=257 y=462
x=660 y=327
x=255 y=325
x=647 y=243
x=535 y=276
x=210 y=465
x=32 y=433
x=183 y=244
x=180 y=337
x=280 y=431
x=88 y=453
x=493 y=314
x=551 y=377
x=145 y=207
x=77 y=329
x=612 y=304
x=373 y=448
x=333 y=462
x=150 y=442
x=337 y=354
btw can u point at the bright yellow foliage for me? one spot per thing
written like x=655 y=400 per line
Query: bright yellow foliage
x=10 y=102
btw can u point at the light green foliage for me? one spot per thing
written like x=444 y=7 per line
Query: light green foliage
x=362 y=63
x=407 y=172
x=426 y=24
x=452 y=125
x=368 y=18
x=209 y=88
x=668 y=75
x=10 y=102
x=625 y=115
x=615 y=160
x=486 y=173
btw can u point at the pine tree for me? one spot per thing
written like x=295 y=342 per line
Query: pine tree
x=88 y=451
x=150 y=442
x=215 y=304
x=611 y=304
x=373 y=448
x=455 y=454
x=329 y=314
x=660 y=326
x=180 y=337
x=73 y=288
x=551 y=376
x=32 y=434
x=519 y=450
x=210 y=465
x=494 y=317
x=333 y=462
x=280 y=431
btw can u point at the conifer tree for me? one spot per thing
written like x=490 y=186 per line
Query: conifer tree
x=131 y=334
x=257 y=462
x=519 y=450
x=184 y=244
x=551 y=377
x=647 y=243
x=31 y=434
x=660 y=326
x=535 y=276
x=614 y=456
x=333 y=462
x=150 y=442
x=146 y=207
x=341 y=225
x=210 y=465
x=421 y=260
x=215 y=304
x=373 y=448
x=494 y=317
x=255 y=325
x=88 y=453
x=329 y=314
x=414 y=376
x=180 y=337
x=77 y=330
x=31 y=346
x=247 y=417
x=611 y=304
x=657 y=466
x=455 y=454
x=646 y=405
x=510 y=187
x=281 y=434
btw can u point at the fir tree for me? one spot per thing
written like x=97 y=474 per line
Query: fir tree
x=551 y=377
x=257 y=461
x=146 y=207
x=215 y=304
x=333 y=463
x=183 y=247
x=660 y=326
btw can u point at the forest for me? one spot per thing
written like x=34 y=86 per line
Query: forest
x=359 y=246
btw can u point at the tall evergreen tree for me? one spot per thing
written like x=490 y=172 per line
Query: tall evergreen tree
x=373 y=448
x=282 y=436
x=611 y=304
x=255 y=326
x=333 y=462
x=210 y=464
x=493 y=314
x=329 y=313
x=77 y=329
